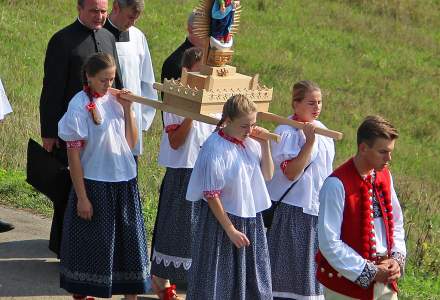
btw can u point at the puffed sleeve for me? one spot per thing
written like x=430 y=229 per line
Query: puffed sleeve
x=171 y=121
x=289 y=146
x=207 y=178
x=73 y=124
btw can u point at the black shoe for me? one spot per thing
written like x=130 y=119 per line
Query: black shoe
x=5 y=226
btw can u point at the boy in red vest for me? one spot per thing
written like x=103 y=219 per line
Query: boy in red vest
x=361 y=237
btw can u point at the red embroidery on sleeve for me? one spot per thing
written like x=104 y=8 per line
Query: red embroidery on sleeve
x=283 y=165
x=212 y=194
x=75 y=144
x=172 y=127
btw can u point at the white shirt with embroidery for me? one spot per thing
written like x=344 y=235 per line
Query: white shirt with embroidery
x=340 y=256
x=185 y=156
x=138 y=77
x=5 y=107
x=106 y=155
x=232 y=171
x=305 y=193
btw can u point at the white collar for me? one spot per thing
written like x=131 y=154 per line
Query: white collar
x=79 y=20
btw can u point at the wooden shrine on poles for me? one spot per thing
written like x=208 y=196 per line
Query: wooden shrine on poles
x=197 y=94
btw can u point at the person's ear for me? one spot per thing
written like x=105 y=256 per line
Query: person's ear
x=363 y=147
x=88 y=79
x=227 y=121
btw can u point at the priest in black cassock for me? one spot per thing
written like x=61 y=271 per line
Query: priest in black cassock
x=66 y=52
x=172 y=66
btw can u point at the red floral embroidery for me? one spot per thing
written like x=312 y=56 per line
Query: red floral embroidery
x=212 y=194
x=283 y=165
x=75 y=144
x=171 y=128
x=230 y=138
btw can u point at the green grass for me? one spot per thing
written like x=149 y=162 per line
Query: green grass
x=14 y=192
x=369 y=57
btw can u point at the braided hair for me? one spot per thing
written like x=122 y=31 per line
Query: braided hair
x=94 y=64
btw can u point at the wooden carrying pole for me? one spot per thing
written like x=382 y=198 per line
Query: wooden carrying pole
x=266 y=116
x=187 y=114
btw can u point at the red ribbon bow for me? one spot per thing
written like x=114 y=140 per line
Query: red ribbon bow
x=91 y=106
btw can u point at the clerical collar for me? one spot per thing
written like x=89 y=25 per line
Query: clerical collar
x=84 y=25
x=120 y=36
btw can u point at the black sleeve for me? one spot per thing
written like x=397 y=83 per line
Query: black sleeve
x=56 y=66
x=171 y=68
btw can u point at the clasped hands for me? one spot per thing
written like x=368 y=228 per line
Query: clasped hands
x=387 y=271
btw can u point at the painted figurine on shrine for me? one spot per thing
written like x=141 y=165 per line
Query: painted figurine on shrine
x=222 y=19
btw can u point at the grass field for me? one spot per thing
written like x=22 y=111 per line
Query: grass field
x=369 y=57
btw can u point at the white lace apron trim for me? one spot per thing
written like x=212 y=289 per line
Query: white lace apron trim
x=168 y=259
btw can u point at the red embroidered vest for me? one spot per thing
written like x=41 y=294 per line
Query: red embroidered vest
x=357 y=229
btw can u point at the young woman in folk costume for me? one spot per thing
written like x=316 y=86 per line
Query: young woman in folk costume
x=230 y=254
x=104 y=249
x=180 y=146
x=305 y=160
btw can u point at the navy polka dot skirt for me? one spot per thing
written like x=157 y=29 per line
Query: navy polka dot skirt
x=293 y=243
x=221 y=271
x=107 y=255
x=171 y=246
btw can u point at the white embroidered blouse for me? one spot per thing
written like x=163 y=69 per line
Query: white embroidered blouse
x=185 y=156
x=305 y=193
x=106 y=155
x=232 y=171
